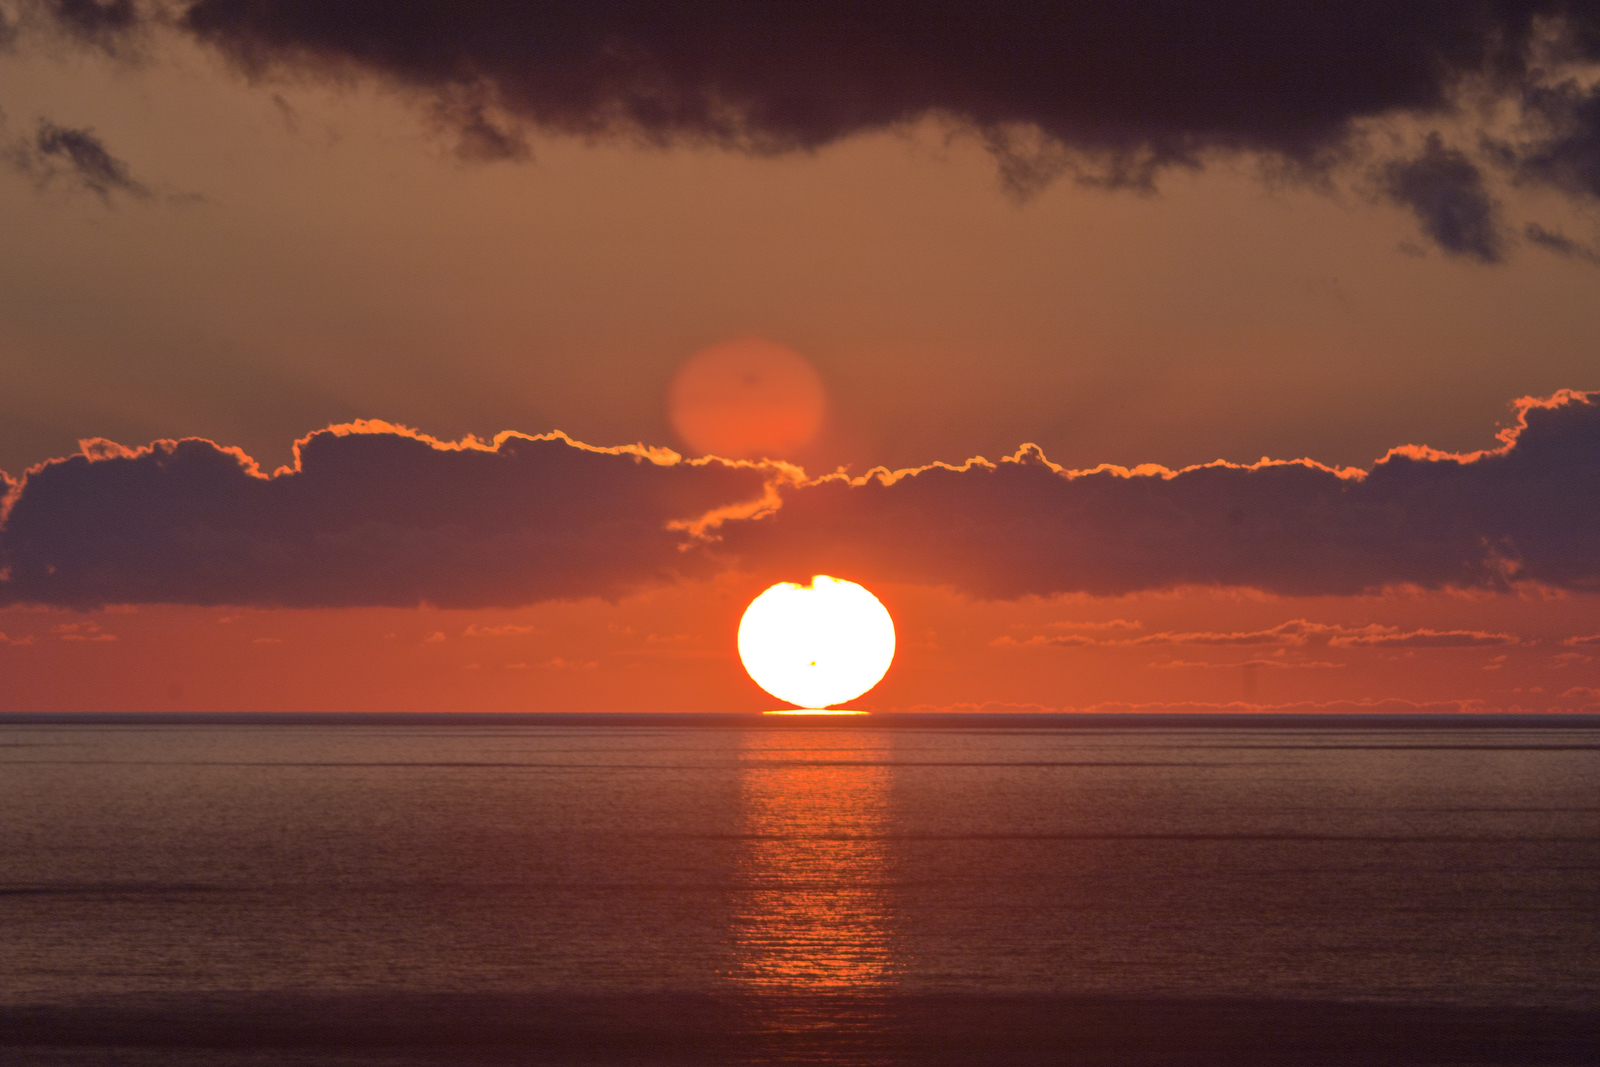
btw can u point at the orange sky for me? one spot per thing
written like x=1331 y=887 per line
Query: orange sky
x=673 y=650
x=268 y=245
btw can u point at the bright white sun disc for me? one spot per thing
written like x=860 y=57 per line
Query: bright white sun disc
x=816 y=645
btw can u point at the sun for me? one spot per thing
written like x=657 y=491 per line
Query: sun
x=816 y=645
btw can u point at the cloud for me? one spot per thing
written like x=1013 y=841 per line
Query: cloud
x=1446 y=192
x=508 y=630
x=1528 y=510
x=81 y=631
x=988 y=707
x=1586 y=639
x=1564 y=152
x=557 y=664
x=102 y=23
x=1425 y=639
x=1037 y=640
x=1280 y=664
x=1560 y=243
x=1391 y=706
x=368 y=515
x=371 y=514
x=1295 y=633
x=75 y=156
x=9 y=489
x=85 y=158
x=1111 y=93
x=1109 y=624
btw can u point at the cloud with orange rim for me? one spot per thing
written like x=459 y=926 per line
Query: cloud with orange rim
x=371 y=514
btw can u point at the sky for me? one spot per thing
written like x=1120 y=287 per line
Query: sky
x=493 y=356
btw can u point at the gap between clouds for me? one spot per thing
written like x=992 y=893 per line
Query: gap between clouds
x=372 y=514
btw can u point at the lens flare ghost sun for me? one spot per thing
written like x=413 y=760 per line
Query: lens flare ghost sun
x=816 y=645
x=745 y=399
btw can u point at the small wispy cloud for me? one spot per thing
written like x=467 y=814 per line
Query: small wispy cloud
x=1292 y=634
x=1562 y=245
x=506 y=630
x=1110 y=624
x=75 y=157
x=1275 y=664
x=1425 y=639
x=1446 y=192
x=556 y=664
x=81 y=631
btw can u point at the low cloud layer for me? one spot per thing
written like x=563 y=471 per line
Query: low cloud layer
x=376 y=515
x=1528 y=511
x=1113 y=93
x=381 y=517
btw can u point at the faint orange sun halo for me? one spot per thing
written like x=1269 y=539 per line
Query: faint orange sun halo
x=748 y=398
x=816 y=645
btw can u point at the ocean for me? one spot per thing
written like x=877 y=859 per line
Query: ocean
x=872 y=890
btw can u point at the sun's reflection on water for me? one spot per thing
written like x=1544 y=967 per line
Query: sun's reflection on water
x=813 y=914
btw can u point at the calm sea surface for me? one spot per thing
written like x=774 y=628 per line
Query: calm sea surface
x=444 y=894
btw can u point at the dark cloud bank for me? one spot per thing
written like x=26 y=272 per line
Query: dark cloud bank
x=368 y=518
x=386 y=517
x=1113 y=91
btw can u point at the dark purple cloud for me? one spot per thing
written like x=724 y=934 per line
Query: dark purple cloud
x=1164 y=77
x=1117 y=90
x=76 y=157
x=83 y=158
x=1446 y=192
x=98 y=22
x=1560 y=243
x=1565 y=152
x=367 y=519
x=1528 y=511
x=392 y=518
